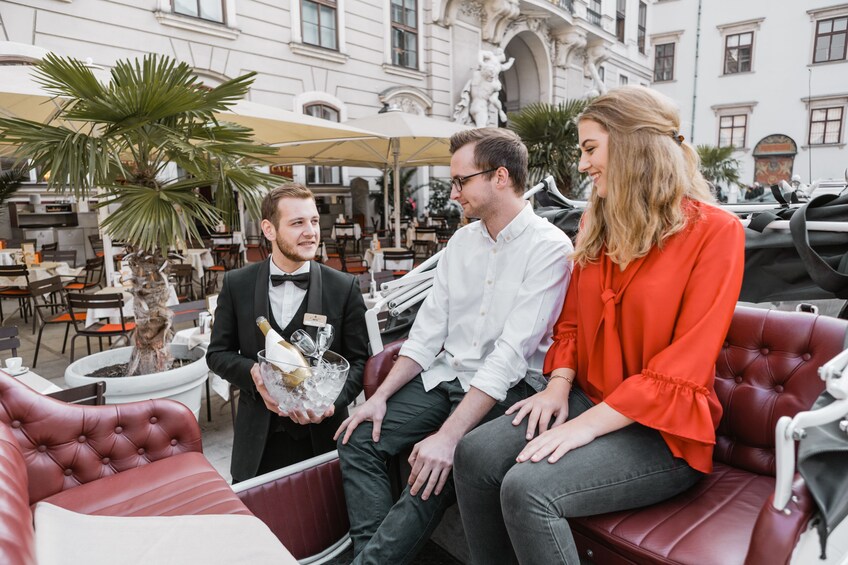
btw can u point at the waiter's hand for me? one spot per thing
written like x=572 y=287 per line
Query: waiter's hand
x=308 y=417
x=270 y=403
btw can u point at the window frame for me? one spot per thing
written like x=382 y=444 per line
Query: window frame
x=830 y=34
x=406 y=29
x=620 y=20
x=593 y=12
x=222 y=21
x=321 y=170
x=732 y=128
x=334 y=5
x=642 y=27
x=839 y=130
x=665 y=57
x=738 y=47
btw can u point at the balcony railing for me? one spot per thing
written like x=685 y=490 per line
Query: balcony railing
x=593 y=17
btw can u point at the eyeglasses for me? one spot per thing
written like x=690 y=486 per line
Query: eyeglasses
x=456 y=182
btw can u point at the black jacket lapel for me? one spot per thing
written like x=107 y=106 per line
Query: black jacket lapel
x=260 y=301
x=314 y=296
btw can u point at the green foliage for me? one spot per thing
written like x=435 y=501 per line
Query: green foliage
x=115 y=140
x=550 y=133
x=440 y=202
x=10 y=181
x=718 y=165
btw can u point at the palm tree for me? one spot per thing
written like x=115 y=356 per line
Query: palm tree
x=550 y=133
x=114 y=142
x=718 y=165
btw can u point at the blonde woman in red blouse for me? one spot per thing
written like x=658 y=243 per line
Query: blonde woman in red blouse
x=629 y=414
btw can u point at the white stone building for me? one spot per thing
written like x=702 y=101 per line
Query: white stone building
x=344 y=59
x=769 y=77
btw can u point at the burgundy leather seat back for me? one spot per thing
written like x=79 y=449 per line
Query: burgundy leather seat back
x=378 y=366
x=16 y=535
x=767 y=369
x=66 y=445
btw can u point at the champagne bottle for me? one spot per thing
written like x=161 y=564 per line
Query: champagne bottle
x=278 y=350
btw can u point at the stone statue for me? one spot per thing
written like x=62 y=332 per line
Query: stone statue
x=479 y=103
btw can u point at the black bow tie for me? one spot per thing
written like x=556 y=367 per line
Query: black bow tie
x=300 y=280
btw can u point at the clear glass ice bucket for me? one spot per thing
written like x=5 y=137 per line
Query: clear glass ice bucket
x=298 y=388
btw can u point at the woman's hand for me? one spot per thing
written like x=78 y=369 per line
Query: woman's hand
x=542 y=406
x=557 y=441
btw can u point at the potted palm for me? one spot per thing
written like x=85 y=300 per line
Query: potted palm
x=115 y=142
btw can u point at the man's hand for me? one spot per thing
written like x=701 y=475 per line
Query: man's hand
x=431 y=462
x=540 y=408
x=374 y=410
x=270 y=403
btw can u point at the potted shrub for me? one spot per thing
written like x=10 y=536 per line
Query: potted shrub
x=114 y=141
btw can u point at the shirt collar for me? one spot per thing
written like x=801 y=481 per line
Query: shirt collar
x=513 y=229
x=275 y=270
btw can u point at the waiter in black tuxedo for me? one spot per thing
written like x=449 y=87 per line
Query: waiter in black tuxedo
x=293 y=292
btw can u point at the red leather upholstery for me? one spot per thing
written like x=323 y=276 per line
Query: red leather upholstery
x=767 y=369
x=305 y=510
x=181 y=485
x=378 y=366
x=66 y=445
x=16 y=541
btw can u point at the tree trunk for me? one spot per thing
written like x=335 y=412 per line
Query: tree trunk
x=152 y=315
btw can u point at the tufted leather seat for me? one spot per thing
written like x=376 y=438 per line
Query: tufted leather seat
x=766 y=369
x=136 y=459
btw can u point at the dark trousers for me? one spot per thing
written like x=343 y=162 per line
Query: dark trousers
x=384 y=532
x=519 y=511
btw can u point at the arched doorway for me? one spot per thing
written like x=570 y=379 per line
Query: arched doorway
x=774 y=157
x=529 y=78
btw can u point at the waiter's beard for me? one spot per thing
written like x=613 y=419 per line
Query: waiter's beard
x=295 y=252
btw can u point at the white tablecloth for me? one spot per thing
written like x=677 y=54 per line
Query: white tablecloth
x=200 y=259
x=350 y=229
x=36 y=382
x=412 y=234
x=377 y=262
x=42 y=271
x=193 y=338
x=93 y=315
x=235 y=239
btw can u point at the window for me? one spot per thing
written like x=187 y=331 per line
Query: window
x=620 y=11
x=601 y=73
x=737 y=53
x=643 y=21
x=623 y=80
x=211 y=10
x=732 y=130
x=830 y=40
x=593 y=12
x=318 y=20
x=405 y=33
x=664 y=62
x=825 y=125
x=322 y=175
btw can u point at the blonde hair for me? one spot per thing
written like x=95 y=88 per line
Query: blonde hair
x=650 y=170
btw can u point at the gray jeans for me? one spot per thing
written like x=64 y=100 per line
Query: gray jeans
x=384 y=532
x=518 y=512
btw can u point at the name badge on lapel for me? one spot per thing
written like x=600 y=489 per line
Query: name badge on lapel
x=315 y=320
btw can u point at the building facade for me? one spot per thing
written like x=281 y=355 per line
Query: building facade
x=345 y=59
x=767 y=77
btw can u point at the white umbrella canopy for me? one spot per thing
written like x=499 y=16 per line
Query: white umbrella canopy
x=406 y=140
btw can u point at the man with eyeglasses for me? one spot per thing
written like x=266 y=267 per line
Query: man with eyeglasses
x=476 y=348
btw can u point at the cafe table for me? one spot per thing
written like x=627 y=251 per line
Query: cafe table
x=42 y=271
x=10 y=256
x=374 y=257
x=34 y=381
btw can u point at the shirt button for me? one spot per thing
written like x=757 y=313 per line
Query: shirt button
x=474 y=344
x=482 y=313
x=489 y=283
x=494 y=250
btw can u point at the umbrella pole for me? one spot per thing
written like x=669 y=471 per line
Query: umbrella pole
x=396 y=151
x=386 y=223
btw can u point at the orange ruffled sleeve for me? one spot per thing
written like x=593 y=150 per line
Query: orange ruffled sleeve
x=674 y=392
x=563 y=350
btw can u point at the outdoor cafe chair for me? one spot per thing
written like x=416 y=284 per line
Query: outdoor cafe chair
x=423 y=248
x=354 y=264
x=398 y=262
x=182 y=275
x=80 y=303
x=9 y=340
x=92 y=277
x=50 y=308
x=96 y=245
x=19 y=293
x=227 y=260
x=92 y=394
x=68 y=256
x=257 y=242
x=49 y=247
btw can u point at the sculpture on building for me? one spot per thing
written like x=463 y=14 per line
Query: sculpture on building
x=479 y=102
x=498 y=14
x=595 y=55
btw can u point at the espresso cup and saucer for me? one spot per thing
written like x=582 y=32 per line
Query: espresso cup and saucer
x=14 y=366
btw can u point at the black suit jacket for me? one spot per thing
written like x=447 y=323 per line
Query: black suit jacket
x=236 y=340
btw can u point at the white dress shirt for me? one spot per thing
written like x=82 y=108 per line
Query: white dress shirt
x=285 y=299
x=493 y=306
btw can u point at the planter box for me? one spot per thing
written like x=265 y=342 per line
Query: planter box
x=184 y=384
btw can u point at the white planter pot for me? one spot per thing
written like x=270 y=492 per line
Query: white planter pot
x=184 y=384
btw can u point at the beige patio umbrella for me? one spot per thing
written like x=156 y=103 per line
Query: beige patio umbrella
x=407 y=140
